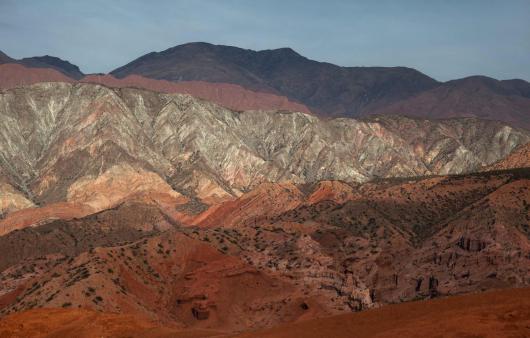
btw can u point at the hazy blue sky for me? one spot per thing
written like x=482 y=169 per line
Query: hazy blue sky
x=444 y=39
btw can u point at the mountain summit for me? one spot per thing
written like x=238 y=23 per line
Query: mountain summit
x=56 y=63
x=46 y=61
x=4 y=58
x=325 y=88
x=281 y=78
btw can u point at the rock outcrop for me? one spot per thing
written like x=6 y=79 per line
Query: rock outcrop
x=518 y=158
x=55 y=135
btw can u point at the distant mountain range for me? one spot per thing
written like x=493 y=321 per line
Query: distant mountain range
x=325 y=89
x=46 y=61
x=477 y=96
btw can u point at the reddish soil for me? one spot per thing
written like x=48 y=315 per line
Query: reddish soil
x=228 y=95
x=69 y=210
x=14 y=75
x=275 y=198
x=336 y=191
x=84 y=323
x=35 y=216
x=503 y=313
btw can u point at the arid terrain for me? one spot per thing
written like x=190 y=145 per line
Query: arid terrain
x=213 y=191
x=489 y=314
x=279 y=253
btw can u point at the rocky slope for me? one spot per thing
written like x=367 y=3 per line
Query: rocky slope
x=458 y=230
x=60 y=141
x=11 y=199
x=518 y=158
x=303 y=253
x=490 y=314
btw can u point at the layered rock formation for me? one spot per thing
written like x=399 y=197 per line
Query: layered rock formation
x=518 y=158
x=281 y=79
x=57 y=135
x=13 y=75
x=11 y=199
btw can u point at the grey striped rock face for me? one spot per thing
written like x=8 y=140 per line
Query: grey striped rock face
x=53 y=135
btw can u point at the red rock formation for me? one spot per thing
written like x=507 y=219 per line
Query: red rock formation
x=35 y=216
x=229 y=95
x=266 y=200
x=15 y=75
x=276 y=254
x=336 y=191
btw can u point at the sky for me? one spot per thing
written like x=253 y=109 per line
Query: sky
x=445 y=39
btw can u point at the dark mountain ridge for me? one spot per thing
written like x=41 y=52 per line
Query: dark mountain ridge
x=479 y=96
x=56 y=63
x=46 y=61
x=4 y=58
x=328 y=89
x=325 y=89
